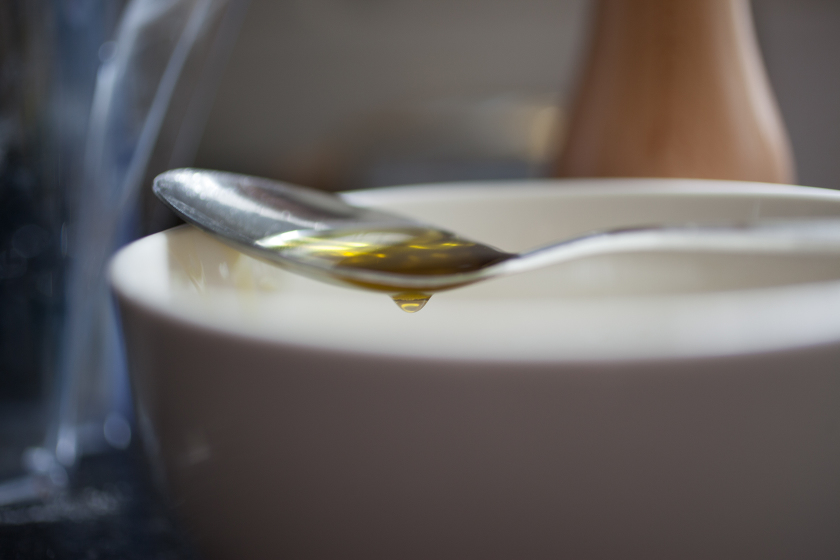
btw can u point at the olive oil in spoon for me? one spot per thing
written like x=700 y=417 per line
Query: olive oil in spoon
x=414 y=251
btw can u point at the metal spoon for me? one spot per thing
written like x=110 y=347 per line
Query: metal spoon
x=279 y=222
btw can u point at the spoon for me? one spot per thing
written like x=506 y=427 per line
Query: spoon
x=317 y=234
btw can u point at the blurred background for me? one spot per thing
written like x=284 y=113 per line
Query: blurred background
x=358 y=93
x=97 y=97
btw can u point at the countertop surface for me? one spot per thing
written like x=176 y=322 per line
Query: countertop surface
x=111 y=510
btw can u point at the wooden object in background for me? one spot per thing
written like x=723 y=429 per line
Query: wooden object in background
x=675 y=88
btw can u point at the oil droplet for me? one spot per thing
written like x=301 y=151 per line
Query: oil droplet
x=411 y=302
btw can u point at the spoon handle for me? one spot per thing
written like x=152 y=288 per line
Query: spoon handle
x=776 y=237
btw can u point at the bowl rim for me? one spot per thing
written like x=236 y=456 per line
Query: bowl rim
x=794 y=296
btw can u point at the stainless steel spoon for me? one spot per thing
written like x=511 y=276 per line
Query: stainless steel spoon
x=279 y=222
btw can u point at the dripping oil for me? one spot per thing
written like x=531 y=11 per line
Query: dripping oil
x=413 y=251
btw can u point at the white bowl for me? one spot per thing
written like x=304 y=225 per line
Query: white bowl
x=649 y=405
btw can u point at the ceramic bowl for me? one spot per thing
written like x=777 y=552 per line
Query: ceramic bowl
x=647 y=405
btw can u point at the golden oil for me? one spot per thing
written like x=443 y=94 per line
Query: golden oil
x=404 y=250
x=411 y=302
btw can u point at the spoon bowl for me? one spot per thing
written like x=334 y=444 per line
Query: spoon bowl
x=319 y=235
